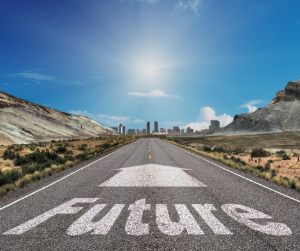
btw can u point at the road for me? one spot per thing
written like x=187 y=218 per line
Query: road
x=151 y=195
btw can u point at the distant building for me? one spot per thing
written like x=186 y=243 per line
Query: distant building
x=214 y=125
x=169 y=130
x=205 y=131
x=182 y=131
x=189 y=130
x=123 y=130
x=155 y=126
x=162 y=130
x=144 y=131
x=131 y=132
x=153 y=131
x=148 y=127
x=137 y=131
x=114 y=128
x=120 y=129
x=176 y=129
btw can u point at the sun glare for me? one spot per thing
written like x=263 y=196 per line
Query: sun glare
x=149 y=70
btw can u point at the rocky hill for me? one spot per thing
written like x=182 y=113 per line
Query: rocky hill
x=278 y=116
x=22 y=121
x=279 y=97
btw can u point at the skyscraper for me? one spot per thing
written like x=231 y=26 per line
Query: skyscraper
x=189 y=130
x=120 y=128
x=123 y=129
x=214 y=125
x=148 y=127
x=144 y=131
x=155 y=126
x=176 y=129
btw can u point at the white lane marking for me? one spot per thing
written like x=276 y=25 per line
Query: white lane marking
x=205 y=212
x=237 y=174
x=84 y=224
x=186 y=221
x=65 y=208
x=270 y=228
x=134 y=225
x=152 y=175
x=59 y=180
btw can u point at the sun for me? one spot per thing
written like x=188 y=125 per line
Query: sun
x=149 y=70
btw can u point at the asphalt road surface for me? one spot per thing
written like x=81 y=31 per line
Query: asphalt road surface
x=151 y=195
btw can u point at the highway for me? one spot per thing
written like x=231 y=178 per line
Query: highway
x=151 y=195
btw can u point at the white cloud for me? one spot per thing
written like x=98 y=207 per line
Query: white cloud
x=154 y=93
x=250 y=105
x=190 y=4
x=36 y=76
x=106 y=119
x=206 y=114
x=138 y=121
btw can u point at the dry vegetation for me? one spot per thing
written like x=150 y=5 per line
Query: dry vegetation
x=21 y=164
x=246 y=153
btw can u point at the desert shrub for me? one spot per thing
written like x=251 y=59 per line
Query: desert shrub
x=82 y=156
x=28 y=169
x=293 y=184
x=8 y=154
x=24 y=181
x=82 y=147
x=280 y=153
x=69 y=152
x=53 y=141
x=260 y=168
x=9 y=177
x=270 y=161
x=259 y=152
x=37 y=157
x=61 y=150
x=285 y=157
x=237 y=151
x=11 y=147
x=267 y=166
x=106 y=145
x=225 y=156
x=206 y=148
x=69 y=164
x=220 y=149
x=19 y=148
x=69 y=157
x=238 y=160
x=273 y=173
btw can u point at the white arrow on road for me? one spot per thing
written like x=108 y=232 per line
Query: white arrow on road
x=152 y=175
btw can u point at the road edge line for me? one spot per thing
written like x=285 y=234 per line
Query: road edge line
x=28 y=195
x=237 y=174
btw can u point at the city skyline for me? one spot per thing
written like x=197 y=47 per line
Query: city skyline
x=131 y=61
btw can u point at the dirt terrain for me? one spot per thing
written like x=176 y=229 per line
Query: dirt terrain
x=272 y=142
x=22 y=121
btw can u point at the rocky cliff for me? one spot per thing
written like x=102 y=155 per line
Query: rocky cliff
x=22 y=121
x=280 y=116
x=279 y=97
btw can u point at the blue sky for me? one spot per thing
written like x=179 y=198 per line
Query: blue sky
x=180 y=62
